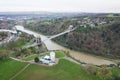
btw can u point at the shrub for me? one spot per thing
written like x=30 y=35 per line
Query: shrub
x=36 y=59
x=91 y=69
x=105 y=73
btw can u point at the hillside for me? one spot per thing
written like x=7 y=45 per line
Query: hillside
x=95 y=35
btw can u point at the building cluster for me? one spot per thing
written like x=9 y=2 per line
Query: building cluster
x=10 y=20
x=6 y=24
x=92 y=22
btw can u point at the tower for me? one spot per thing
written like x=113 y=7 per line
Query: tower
x=38 y=40
x=52 y=56
x=15 y=32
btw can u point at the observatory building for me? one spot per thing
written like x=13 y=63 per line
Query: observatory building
x=48 y=59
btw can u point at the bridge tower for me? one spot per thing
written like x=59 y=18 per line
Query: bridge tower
x=70 y=28
x=16 y=33
x=38 y=40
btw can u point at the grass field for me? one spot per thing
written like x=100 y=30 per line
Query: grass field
x=59 y=54
x=31 y=57
x=65 y=70
x=2 y=48
x=9 y=68
x=21 y=44
x=116 y=73
x=111 y=15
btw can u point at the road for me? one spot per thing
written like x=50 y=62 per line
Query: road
x=62 y=33
x=4 y=30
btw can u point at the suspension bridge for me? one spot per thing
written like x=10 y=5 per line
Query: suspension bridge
x=37 y=36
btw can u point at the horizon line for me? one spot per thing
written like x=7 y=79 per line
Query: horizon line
x=57 y=12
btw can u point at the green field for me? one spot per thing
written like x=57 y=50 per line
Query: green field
x=65 y=70
x=9 y=68
x=31 y=57
x=59 y=54
x=111 y=15
x=1 y=48
x=116 y=73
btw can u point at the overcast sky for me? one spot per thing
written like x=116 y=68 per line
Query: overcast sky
x=61 y=5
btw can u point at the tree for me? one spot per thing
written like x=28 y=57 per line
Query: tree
x=105 y=73
x=118 y=64
x=26 y=51
x=91 y=69
x=36 y=59
x=3 y=54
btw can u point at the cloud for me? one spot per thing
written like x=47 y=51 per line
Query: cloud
x=61 y=5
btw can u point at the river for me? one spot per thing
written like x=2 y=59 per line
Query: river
x=83 y=57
